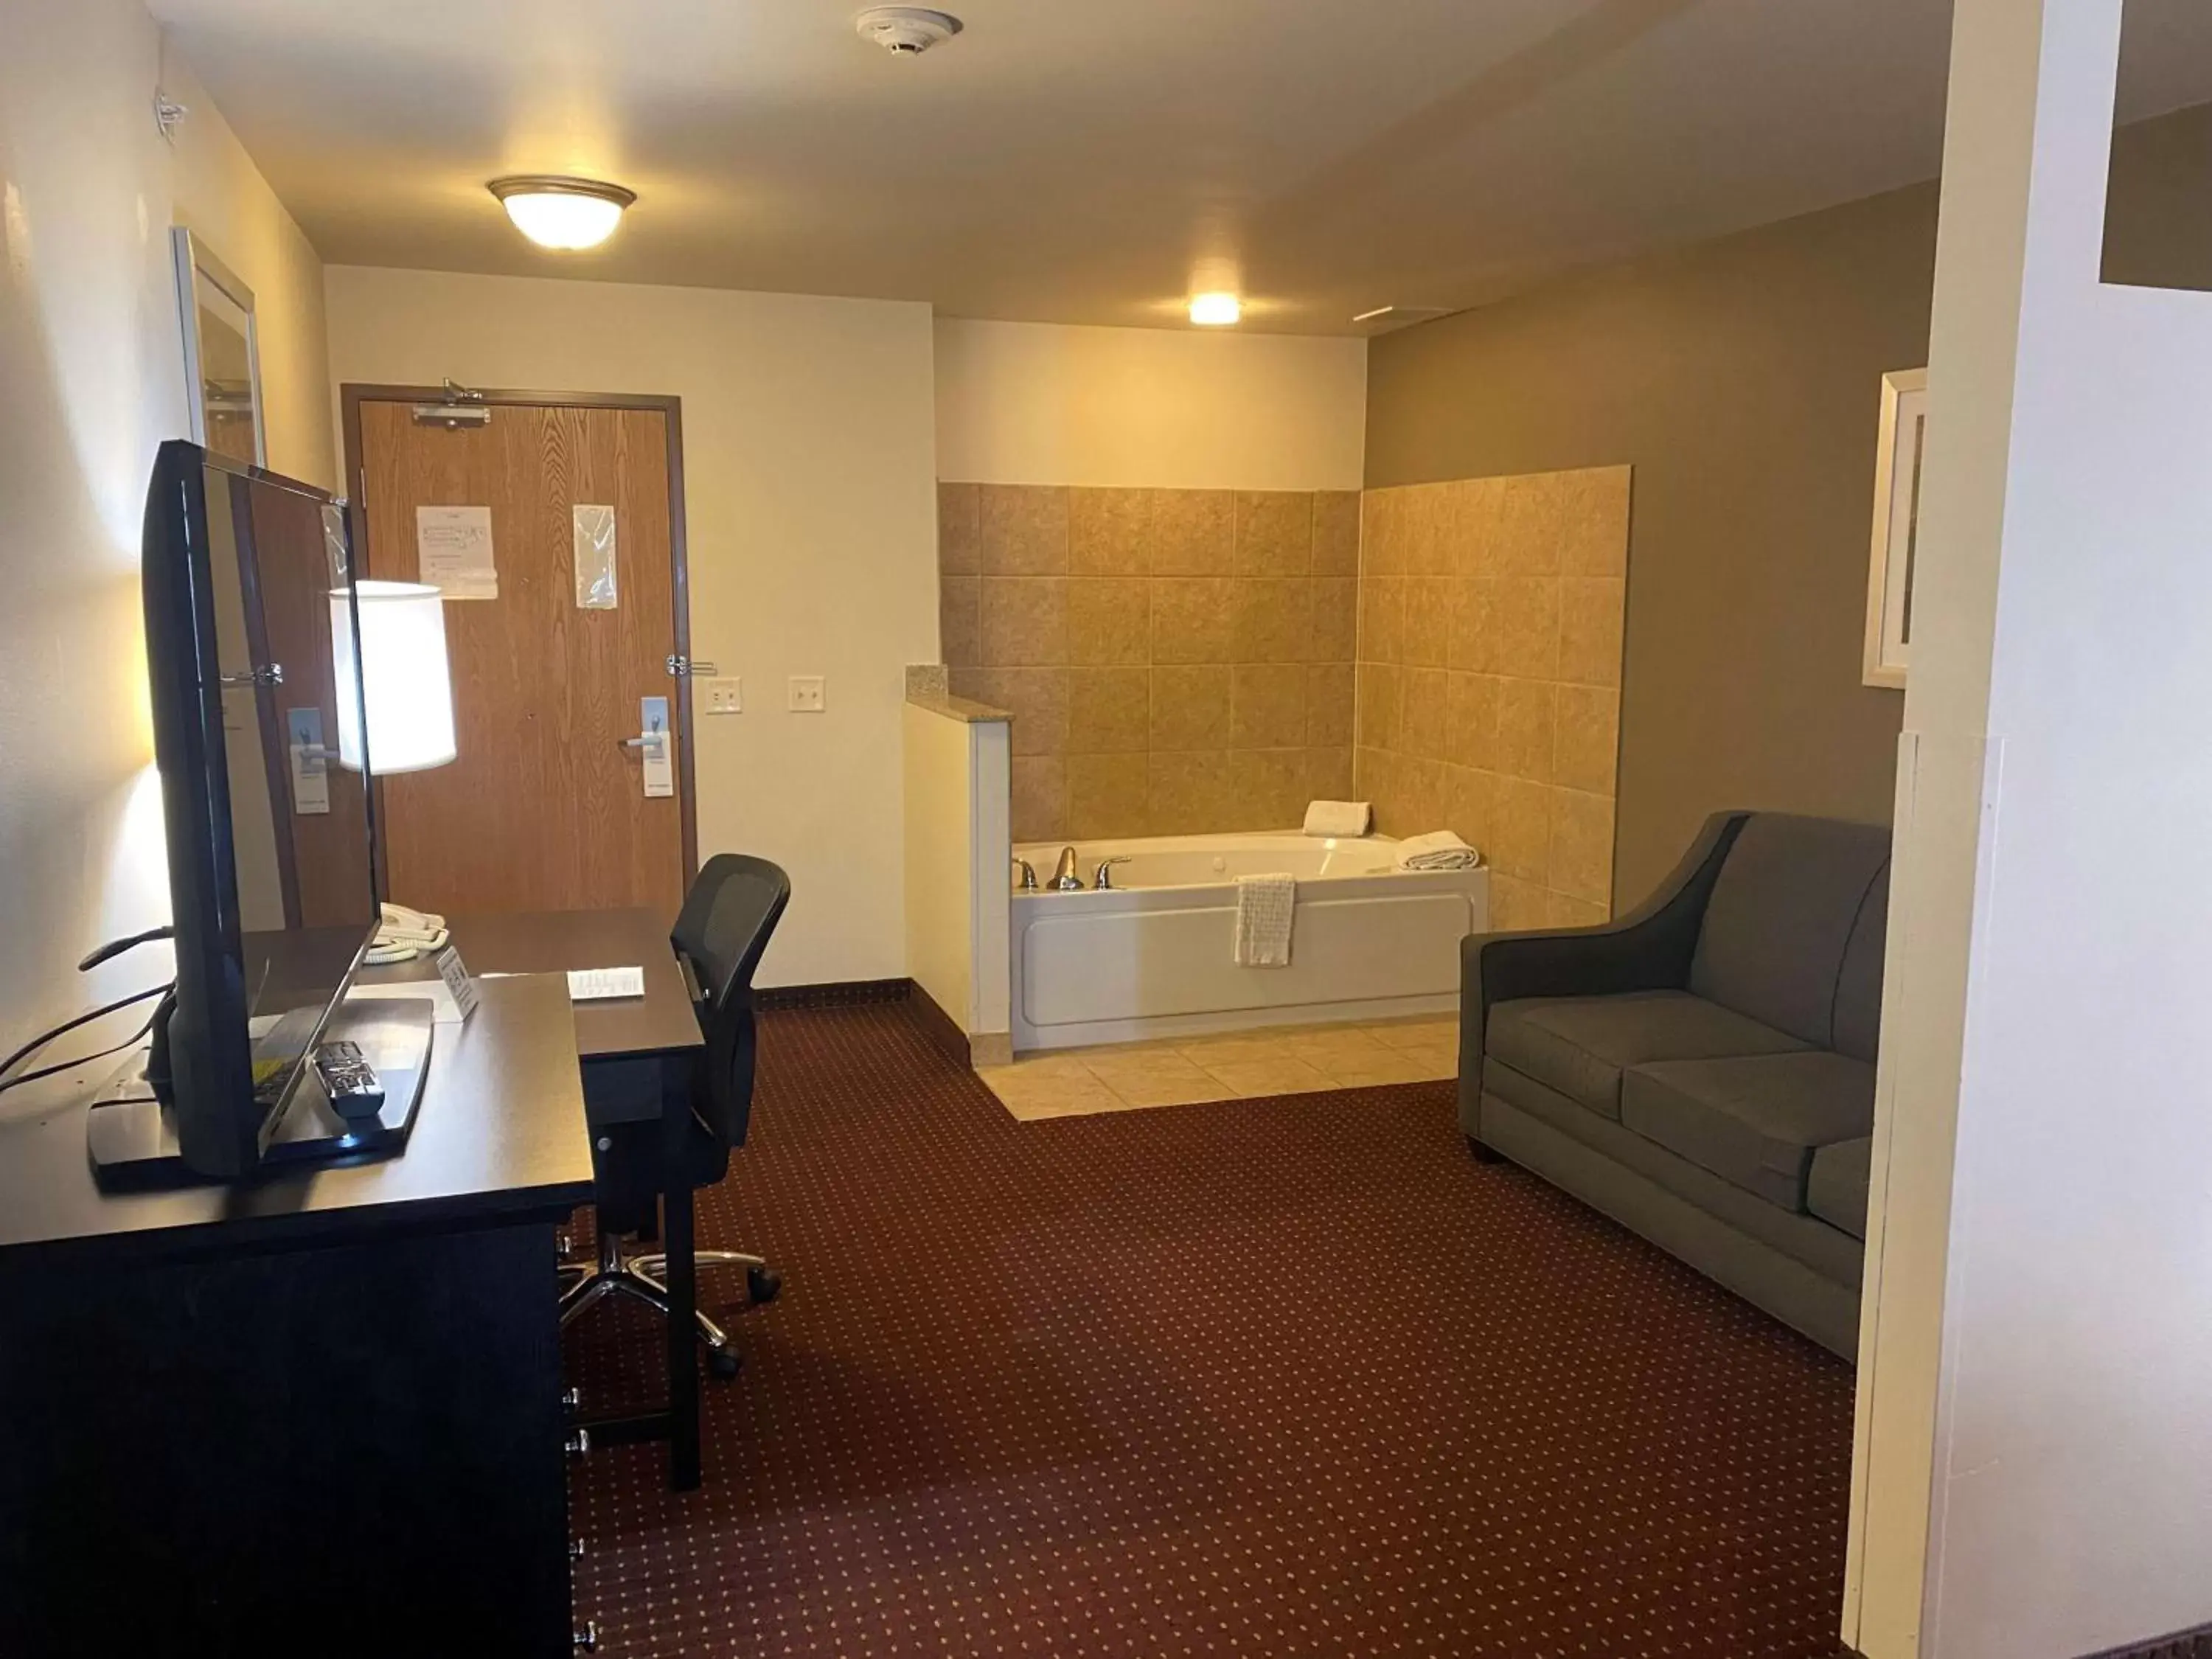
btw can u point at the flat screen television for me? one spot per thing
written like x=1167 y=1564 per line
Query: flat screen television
x=246 y=575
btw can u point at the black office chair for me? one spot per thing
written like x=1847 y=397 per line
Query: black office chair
x=727 y=917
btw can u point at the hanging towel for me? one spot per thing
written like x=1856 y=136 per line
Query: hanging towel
x=1265 y=907
x=1440 y=850
x=1339 y=818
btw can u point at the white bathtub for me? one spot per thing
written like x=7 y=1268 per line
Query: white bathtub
x=1155 y=957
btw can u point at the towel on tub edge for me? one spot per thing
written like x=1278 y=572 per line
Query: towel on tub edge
x=1265 y=907
x=1440 y=850
x=1339 y=818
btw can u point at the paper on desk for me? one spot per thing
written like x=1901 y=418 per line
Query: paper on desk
x=597 y=984
x=448 y=1011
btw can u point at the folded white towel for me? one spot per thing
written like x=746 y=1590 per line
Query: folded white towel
x=1439 y=850
x=1339 y=818
x=1265 y=907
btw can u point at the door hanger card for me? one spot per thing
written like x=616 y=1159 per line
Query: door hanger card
x=453 y=552
x=311 y=776
x=659 y=758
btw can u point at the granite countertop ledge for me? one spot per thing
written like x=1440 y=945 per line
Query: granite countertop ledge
x=926 y=688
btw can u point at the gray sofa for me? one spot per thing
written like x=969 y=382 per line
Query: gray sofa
x=1702 y=1071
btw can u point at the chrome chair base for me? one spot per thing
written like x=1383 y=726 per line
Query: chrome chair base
x=641 y=1277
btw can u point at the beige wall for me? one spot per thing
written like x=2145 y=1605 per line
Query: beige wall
x=808 y=494
x=1149 y=539
x=1039 y=404
x=91 y=379
x=1742 y=378
x=222 y=200
x=1177 y=661
x=1489 y=622
x=957 y=858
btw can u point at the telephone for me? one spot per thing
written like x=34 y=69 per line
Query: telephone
x=403 y=934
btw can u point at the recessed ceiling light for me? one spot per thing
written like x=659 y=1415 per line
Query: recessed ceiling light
x=1215 y=310
x=568 y=214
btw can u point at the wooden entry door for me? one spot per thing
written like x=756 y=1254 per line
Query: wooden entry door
x=545 y=806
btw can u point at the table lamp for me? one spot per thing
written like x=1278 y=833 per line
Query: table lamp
x=401 y=677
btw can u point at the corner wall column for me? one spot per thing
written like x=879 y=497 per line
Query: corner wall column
x=2036 y=1348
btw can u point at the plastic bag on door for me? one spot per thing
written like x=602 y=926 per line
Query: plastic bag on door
x=594 y=534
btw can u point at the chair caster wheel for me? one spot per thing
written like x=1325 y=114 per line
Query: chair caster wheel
x=723 y=1364
x=762 y=1284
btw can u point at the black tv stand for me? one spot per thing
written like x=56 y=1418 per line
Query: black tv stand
x=318 y=1413
x=132 y=1141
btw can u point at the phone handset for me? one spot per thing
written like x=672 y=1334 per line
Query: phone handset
x=403 y=934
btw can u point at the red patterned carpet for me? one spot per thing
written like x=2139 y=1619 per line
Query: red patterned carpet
x=1274 y=1377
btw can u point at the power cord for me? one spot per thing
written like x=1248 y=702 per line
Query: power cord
x=107 y=952
x=37 y=1044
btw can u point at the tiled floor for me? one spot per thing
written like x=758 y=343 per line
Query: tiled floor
x=1236 y=1066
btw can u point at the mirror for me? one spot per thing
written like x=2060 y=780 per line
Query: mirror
x=222 y=361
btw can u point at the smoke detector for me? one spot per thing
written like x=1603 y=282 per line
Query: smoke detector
x=906 y=31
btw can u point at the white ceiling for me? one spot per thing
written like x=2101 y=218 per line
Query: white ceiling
x=1074 y=161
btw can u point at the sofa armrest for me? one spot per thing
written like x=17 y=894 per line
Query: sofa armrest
x=1648 y=949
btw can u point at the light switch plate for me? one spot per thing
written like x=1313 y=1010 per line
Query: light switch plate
x=807 y=696
x=725 y=696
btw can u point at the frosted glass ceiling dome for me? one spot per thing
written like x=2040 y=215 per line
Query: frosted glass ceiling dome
x=569 y=215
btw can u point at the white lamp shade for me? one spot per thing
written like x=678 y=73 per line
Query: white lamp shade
x=402 y=675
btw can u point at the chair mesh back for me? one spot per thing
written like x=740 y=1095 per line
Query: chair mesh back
x=727 y=917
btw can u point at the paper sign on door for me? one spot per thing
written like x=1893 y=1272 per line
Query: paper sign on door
x=452 y=551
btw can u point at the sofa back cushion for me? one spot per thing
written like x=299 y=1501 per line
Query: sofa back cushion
x=1780 y=917
x=1858 y=989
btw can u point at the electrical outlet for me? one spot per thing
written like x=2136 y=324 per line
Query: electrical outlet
x=807 y=696
x=725 y=696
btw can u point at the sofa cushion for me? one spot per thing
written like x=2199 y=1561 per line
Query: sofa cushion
x=1771 y=945
x=1754 y=1121
x=1838 y=1190
x=1581 y=1045
x=1858 y=988
x=1827 y=1250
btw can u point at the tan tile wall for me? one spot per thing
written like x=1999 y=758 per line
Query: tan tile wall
x=1489 y=687
x=1177 y=661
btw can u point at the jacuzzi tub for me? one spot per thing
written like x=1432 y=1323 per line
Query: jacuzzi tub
x=1154 y=957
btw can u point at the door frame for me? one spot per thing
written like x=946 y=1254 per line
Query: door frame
x=353 y=394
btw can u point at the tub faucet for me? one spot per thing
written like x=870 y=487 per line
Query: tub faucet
x=1028 y=882
x=1104 y=881
x=1064 y=879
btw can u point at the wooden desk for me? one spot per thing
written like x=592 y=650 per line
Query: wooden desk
x=317 y=1412
x=638 y=1056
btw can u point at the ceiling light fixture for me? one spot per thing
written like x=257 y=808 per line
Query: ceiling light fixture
x=1216 y=310
x=567 y=214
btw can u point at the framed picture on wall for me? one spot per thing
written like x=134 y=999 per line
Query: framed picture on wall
x=1896 y=526
x=222 y=354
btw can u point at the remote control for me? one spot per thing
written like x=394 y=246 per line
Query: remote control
x=353 y=1089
